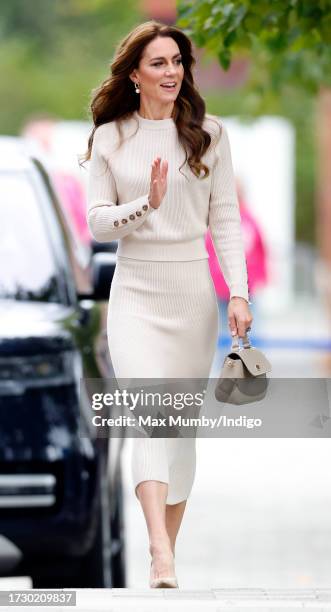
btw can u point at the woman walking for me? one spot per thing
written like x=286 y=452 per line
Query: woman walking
x=160 y=175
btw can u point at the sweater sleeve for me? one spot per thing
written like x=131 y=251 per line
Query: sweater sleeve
x=106 y=218
x=224 y=221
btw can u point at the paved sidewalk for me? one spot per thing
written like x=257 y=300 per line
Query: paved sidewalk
x=218 y=600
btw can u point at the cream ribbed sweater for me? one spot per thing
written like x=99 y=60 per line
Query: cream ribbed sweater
x=118 y=206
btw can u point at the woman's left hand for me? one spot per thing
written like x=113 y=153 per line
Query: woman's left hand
x=239 y=316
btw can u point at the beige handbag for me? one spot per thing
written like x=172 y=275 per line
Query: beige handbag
x=243 y=376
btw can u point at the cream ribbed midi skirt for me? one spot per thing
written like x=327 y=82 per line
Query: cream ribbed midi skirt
x=163 y=323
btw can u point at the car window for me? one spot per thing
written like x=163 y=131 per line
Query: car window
x=27 y=267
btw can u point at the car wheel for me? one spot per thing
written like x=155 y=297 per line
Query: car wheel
x=53 y=579
x=96 y=568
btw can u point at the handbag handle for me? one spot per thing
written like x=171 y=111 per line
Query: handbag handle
x=235 y=346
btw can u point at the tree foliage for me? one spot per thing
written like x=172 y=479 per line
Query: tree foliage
x=288 y=40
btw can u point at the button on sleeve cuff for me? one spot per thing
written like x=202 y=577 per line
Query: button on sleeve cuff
x=108 y=221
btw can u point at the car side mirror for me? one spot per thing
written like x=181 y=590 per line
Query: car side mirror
x=103 y=268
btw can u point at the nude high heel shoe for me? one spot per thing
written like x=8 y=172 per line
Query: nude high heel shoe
x=167 y=582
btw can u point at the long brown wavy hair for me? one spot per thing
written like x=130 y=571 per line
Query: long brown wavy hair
x=115 y=99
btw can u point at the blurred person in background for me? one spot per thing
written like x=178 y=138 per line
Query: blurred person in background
x=39 y=131
x=256 y=260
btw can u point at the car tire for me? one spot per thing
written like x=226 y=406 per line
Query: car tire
x=94 y=570
x=96 y=567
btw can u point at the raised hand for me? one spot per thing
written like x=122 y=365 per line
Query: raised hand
x=158 y=185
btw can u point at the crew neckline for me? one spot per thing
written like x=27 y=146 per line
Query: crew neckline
x=154 y=124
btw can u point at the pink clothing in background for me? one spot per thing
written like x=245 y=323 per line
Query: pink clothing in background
x=255 y=256
x=73 y=199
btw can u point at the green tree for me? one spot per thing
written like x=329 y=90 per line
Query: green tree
x=289 y=41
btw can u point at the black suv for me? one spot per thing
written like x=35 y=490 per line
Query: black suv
x=61 y=503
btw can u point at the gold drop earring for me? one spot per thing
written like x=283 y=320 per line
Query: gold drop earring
x=136 y=86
